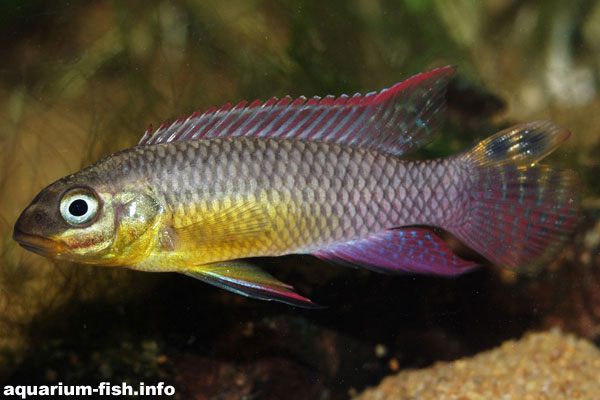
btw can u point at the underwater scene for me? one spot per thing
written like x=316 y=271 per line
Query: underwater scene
x=181 y=217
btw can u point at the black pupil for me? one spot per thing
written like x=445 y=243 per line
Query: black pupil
x=78 y=208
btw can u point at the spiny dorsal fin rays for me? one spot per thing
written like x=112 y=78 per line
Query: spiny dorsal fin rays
x=397 y=120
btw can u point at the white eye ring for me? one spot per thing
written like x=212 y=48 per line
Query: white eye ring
x=78 y=208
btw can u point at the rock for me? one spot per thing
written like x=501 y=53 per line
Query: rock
x=202 y=378
x=547 y=365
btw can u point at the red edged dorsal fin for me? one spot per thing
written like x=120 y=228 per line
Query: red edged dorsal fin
x=397 y=120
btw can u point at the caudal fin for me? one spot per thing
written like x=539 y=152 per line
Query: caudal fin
x=520 y=214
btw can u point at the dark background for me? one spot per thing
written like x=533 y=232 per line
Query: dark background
x=80 y=80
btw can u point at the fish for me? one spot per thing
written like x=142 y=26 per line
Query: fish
x=325 y=176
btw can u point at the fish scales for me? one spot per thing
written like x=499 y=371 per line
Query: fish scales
x=204 y=195
x=318 y=193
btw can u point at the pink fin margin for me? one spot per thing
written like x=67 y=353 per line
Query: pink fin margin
x=416 y=250
x=397 y=120
x=241 y=277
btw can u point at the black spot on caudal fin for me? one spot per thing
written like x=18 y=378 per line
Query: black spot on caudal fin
x=520 y=145
x=519 y=214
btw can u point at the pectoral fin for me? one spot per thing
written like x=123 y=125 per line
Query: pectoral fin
x=239 y=221
x=246 y=279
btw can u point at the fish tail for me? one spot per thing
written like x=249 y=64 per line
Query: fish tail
x=519 y=214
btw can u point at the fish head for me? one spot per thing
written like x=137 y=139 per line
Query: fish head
x=74 y=220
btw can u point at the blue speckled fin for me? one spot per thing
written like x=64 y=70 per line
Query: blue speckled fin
x=241 y=277
x=400 y=250
x=520 y=213
x=397 y=120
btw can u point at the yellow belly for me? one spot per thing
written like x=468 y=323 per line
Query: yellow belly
x=230 y=228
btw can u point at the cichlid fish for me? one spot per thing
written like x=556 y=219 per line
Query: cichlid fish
x=321 y=176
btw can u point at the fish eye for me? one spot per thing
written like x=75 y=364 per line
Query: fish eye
x=79 y=206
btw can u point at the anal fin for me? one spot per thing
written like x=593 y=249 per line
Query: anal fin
x=243 y=278
x=411 y=249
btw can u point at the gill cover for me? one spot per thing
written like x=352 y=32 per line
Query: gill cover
x=136 y=217
x=77 y=220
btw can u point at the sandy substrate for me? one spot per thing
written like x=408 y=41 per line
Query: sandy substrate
x=548 y=365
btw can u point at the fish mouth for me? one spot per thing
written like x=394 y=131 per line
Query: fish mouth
x=38 y=244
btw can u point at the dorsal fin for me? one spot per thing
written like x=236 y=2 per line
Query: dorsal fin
x=397 y=120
